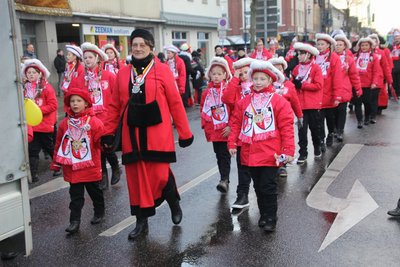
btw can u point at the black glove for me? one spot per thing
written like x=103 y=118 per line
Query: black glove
x=297 y=84
x=107 y=142
x=186 y=142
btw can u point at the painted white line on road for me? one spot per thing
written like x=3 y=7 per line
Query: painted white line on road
x=131 y=220
x=358 y=204
x=49 y=187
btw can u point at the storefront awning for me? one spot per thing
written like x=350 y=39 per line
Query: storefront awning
x=224 y=42
x=237 y=40
x=189 y=20
x=44 y=7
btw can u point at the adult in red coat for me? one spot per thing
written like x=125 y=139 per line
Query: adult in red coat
x=331 y=67
x=39 y=90
x=144 y=100
x=177 y=67
x=385 y=78
x=114 y=63
x=308 y=81
x=77 y=151
x=369 y=69
x=100 y=85
x=260 y=53
x=351 y=83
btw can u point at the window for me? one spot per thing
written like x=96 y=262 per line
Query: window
x=179 y=38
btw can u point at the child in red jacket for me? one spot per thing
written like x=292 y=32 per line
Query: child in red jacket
x=39 y=90
x=237 y=89
x=308 y=80
x=288 y=91
x=77 y=150
x=215 y=116
x=263 y=122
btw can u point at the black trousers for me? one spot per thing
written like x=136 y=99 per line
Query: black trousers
x=223 y=159
x=312 y=120
x=340 y=116
x=111 y=158
x=396 y=82
x=77 y=194
x=265 y=186
x=40 y=141
x=374 y=102
x=327 y=114
x=243 y=175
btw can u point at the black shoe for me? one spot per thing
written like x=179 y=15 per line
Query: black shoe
x=223 y=186
x=359 y=125
x=104 y=181
x=5 y=256
x=317 y=152
x=96 y=220
x=395 y=212
x=329 y=139
x=301 y=159
x=35 y=178
x=282 y=172
x=366 y=122
x=270 y=225
x=176 y=211
x=339 y=137
x=115 y=175
x=372 y=121
x=56 y=173
x=241 y=202
x=73 y=227
x=141 y=227
x=323 y=147
x=263 y=220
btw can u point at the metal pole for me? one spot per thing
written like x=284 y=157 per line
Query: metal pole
x=245 y=27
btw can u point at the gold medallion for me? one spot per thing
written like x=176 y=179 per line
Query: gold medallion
x=258 y=118
x=76 y=145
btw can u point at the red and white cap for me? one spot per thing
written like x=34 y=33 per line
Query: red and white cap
x=111 y=46
x=365 y=40
x=279 y=61
x=171 y=48
x=76 y=50
x=306 y=47
x=342 y=37
x=219 y=61
x=35 y=63
x=243 y=62
x=89 y=47
x=267 y=68
x=327 y=38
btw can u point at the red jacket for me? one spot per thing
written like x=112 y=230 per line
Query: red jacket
x=89 y=174
x=121 y=63
x=310 y=93
x=180 y=75
x=233 y=92
x=385 y=66
x=351 y=79
x=107 y=84
x=265 y=55
x=157 y=141
x=289 y=93
x=261 y=153
x=214 y=135
x=70 y=75
x=388 y=57
x=333 y=81
x=372 y=73
x=47 y=102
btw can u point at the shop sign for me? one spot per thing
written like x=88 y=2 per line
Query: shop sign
x=106 y=30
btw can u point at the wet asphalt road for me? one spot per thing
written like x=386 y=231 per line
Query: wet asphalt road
x=210 y=235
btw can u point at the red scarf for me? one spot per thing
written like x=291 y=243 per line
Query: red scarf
x=112 y=66
x=304 y=70
x=214 y=110
x=32 y=90
x=362 y=61
x=323 y=62
x=95 y=90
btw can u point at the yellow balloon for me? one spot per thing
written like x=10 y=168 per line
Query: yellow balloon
x=33 y=113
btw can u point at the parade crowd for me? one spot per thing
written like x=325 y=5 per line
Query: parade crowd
x=250 y=106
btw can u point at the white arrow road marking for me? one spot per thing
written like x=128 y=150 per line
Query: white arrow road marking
x=358 y=204
x=131 y=220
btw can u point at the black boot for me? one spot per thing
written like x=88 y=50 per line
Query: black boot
x=73 y=227
x=271 y=208
x=142 y=227
x=104 y=181
x=339 y=136
x=329 y=139
x=359 y=124
x=270 y=225
x=223 y=186
x=115 y=174
x=395 y=212
x=97 y=219
x=176 y=211
x=242 y=201
x=263 y=220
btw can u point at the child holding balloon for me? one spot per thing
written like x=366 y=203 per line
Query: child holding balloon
x=42 y=93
